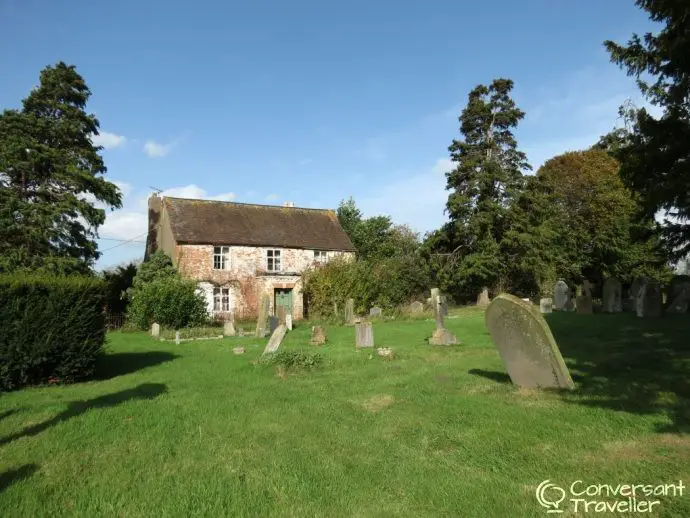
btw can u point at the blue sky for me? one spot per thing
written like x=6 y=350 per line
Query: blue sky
x=313 y=102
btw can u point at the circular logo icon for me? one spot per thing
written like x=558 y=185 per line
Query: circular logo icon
x=550 y=496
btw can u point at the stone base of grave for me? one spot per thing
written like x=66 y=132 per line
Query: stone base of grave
x=443 y=337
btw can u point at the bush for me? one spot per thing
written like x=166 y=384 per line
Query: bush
x=50 y=328
x=170 y=301
x=294 y=360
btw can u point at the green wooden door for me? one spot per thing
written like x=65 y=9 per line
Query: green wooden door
x=284 y=300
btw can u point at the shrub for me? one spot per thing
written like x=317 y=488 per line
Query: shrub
x=294 y=360
x=170 y=301
x=50 y=328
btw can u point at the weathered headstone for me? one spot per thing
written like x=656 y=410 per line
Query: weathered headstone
x=276 y=339
x=546 y=305
x=634 y=292
x=385 y=352
x=273 y=323
x=364 y=335
x=483 y=298
x=561 y=294
x=288 y=321
x=681 y=301
x=436 y=306
x=229 y=328
x=177 y=337
x=281 y=314
x=443 y=337
x=584 y=300
x=416 y=307
x=318 y=335
x=525 y=344
x=350 y=312
x=264 y=308
x=155 y=330
x=649 y=300
x=612 y=296
x=375 y=312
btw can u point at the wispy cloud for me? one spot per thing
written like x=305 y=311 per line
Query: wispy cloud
x=108 y=140
x=156 y=150
x=195 y=192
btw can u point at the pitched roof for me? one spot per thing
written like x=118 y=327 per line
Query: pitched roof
x=229 y=223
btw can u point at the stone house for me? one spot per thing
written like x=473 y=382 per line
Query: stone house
x=238 y=251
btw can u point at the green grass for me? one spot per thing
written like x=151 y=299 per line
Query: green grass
x=193 y=430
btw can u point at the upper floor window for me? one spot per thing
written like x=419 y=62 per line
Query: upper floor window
x=320 y=256
x=221 y=257
x=273 y=261
x=221 y=299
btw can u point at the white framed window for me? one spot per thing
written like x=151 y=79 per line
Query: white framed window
x=274 y=261
x=221 y=299
x=221 y=257
x=320 y=256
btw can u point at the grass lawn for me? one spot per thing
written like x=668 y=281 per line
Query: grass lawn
x=193 y=430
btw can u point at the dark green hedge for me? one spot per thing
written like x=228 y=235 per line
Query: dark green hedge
x=51 y=329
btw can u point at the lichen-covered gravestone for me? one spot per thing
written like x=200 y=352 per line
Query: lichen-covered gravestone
x=483 y=298
x=318 y=335
x=649 y=301
x=364 y=335
x=349 y=312
x=561 y=295
x=416 y=307
x=525 y=344
x=264 y=308
x=276 y=339
x=612 y=296
x=375 y=312
x=155 y=330
x=584 y=301
x=546 y=305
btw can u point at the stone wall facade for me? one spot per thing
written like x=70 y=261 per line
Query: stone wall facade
x=246 y=276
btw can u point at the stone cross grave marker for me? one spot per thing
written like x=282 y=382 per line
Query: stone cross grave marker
x=350 y=312
x=483 y=298
x=612 y=296
x=649 y=301
x=525 y=344
x=364 y=335
x=441 y=335
x=264 y=308
x=546 y=305
x=155 y=330
x=561 y=294
x=276 y=339
x=318 y=335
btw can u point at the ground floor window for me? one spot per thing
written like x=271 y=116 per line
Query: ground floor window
x=221 y=299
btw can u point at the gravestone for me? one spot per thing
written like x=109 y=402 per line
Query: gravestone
x=264 y=308
x=436 y=307
x=561 y=295
x=177 y=337
x=546 y=305
x=375 y=312
x=649 y=300
x=229 y=328
x=155 y=330
x=318 y=335
x=584 y=301
x=281 y=314
x=612 y=296
x=385 y=352
x=483 y=298
x=525 y=344
x=681 y=301
x=441 y=335
x=288 y=321
x=350 y=312
x=276 y=339
x=634 y=292
x=364 y=335
x=569 y=305
x=677 y=285
x=416 y=307
x=273 y=323
x=238 y=350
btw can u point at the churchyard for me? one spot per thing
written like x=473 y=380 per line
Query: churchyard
x=208 y=428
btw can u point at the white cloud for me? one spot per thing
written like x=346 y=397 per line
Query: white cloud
x=195 y=192
x=108 y=140
x=123 y=224
x=418 y=200
x=155 y=150
x=125 y=188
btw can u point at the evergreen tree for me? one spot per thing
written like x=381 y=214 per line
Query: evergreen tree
x=487 y=177
x=50 y=176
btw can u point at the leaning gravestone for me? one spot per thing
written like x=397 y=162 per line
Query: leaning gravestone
x=546 y=305
x=483 y=298
x=350 y=312
x=264 y=308
x=649 y=300
x=155 y=330
x=273 y=323
x=680 y=303
x=375 y=312
x=561 y=294
x=276 y=339
x=525 y=344
x=612 y=296
x=416 y=307
x=318 y=335
x=364 y=335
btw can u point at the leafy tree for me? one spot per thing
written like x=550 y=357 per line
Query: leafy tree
x=656 y=157
x=118 y=281
x=487 y=177
x=51 y=175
